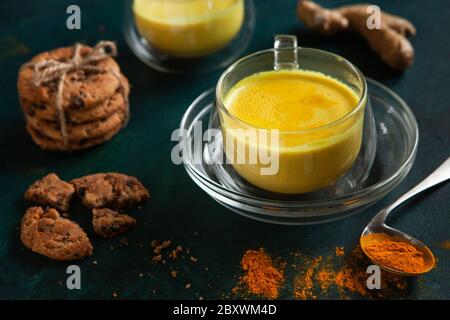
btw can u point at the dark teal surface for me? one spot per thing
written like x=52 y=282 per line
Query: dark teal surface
x=178 y=209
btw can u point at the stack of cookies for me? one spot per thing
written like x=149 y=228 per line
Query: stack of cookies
x=73 y=98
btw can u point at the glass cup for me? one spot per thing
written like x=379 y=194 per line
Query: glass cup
x=292 y=162
x=178 y=35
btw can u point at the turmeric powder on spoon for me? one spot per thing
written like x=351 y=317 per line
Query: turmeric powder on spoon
x=393 y=253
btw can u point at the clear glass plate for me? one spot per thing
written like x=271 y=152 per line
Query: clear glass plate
x=388 y=153
x=161 y=62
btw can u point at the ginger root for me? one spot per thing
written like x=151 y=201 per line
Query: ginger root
x=389 y=41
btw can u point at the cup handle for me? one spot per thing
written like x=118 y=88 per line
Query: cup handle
x=285 y=47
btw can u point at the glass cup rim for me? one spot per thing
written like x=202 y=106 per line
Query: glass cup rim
x=179 y=1
x=360 y=105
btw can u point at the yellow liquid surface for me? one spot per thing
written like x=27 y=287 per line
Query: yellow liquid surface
x=299 y=104
x=189 y=28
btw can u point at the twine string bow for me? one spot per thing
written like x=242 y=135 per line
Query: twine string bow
x=53 y=70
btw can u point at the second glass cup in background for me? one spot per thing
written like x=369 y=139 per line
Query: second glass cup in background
x=188 y=36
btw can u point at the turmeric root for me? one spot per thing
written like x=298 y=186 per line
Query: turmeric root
x=389 y=41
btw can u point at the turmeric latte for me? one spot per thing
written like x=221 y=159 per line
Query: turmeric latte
x=316 y=144
x=188 y=29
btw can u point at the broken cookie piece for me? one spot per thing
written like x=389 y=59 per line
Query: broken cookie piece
x=47 y=233
x=109 y=223
x=51 y=191
x=110 y=190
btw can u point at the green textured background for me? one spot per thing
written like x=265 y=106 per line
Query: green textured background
x=178 y=209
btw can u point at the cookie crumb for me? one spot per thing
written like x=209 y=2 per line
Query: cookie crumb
x=188 y=286
x=94 y=262
x=174 y=253
x=115 y=294
x=157 y=258
x=193 y=259
x=158 y=249
x=174 y=273
x=141 y=275
x=124 y=242
x=340 y=251
x=155 y=243
x=166 y=243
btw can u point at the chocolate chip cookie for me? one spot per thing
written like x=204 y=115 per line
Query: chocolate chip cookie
x=47 y=233
x=51 y=191
x=109 y=223
x=110 y=190
x=99 y=111
x=82 y=88
x=47 y=143
x=93 y=97
x=77 y=132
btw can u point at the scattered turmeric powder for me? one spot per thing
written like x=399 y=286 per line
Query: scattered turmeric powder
x=353 y=278
x=325 y=278
x=394 y=253
x=304 y=284
x=321 y=274
x=446 y=245
x=261 y=276
x=314 y=277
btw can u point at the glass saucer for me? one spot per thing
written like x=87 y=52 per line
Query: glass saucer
x=388 y=153
x=162 y=62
